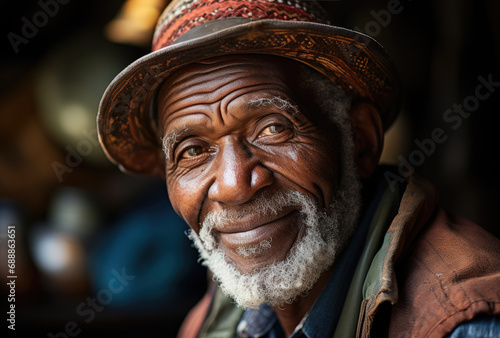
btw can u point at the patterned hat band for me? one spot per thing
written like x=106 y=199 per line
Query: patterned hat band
x=181 y=16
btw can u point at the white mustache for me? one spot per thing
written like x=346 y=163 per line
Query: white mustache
x=266 y=204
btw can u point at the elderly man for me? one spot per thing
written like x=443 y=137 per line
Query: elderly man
x=267 y=124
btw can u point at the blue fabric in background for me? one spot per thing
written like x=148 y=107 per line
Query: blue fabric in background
x=148 y=241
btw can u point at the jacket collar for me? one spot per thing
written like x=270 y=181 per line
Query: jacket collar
x=380 y=286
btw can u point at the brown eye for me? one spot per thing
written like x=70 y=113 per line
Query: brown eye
x=192 y=152
x=273 y=129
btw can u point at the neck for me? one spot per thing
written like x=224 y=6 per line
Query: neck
x=290 y=315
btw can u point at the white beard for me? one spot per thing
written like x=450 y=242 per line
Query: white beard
x=283 y=282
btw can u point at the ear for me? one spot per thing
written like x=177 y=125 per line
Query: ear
x=368 y=136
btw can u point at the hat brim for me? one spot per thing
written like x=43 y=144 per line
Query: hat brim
x=354 y=61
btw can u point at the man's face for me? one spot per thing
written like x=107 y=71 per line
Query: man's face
x=235 y=135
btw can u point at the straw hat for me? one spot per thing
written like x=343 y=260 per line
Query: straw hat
x=192 y=30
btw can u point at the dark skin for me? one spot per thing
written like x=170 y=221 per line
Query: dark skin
x=225 y=150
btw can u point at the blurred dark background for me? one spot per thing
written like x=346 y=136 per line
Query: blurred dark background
x=86 y=231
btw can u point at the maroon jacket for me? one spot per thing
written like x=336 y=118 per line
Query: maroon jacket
x=440 y=271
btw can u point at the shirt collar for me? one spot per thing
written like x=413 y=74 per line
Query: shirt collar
x=256 y=323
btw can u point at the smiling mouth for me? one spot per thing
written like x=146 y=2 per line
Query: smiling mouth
x=237 y=236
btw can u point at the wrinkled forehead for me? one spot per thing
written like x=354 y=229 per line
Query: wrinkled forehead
x=225 y=75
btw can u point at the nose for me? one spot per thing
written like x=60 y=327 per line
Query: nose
x=239 y=174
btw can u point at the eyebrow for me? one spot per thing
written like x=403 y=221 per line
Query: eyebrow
x=276 y=101
x=170 y=139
